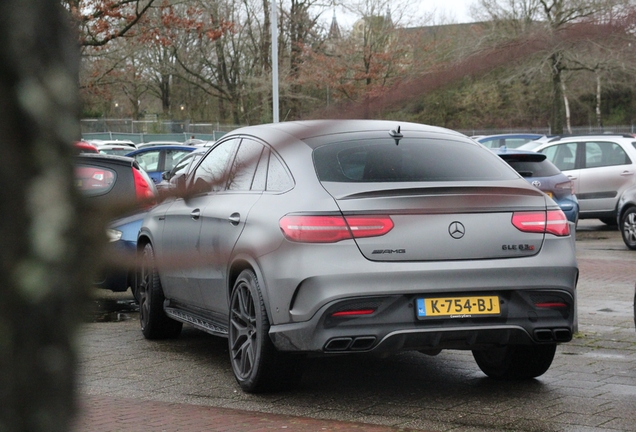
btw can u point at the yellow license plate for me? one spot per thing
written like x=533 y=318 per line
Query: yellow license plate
x=548 y=194
x=457 y=307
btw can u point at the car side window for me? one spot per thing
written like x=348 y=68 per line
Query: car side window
x=173 y=157
x=211 y=174
x=277 y=177
x=148 y=161
x=562 y=155
x=241 y=175
x=600 y=154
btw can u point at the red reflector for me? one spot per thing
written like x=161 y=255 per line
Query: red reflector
x=144 y=192
x=353 y=312
x=550 y=222
x=331 y=229
x=552 y=305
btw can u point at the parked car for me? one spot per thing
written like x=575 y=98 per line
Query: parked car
x=157 y=159
x=601 y=168
x=107 y=181
x=85 y=147
x=544 y=175
x=125 y=143
x=353 y=236
x=158 y=143
x=507 y=140
x=626 y=217
x=114 y=149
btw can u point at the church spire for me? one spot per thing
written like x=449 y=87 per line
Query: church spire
x=334 y=30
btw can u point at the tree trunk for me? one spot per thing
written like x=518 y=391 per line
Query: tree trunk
x=164 y=88
x=599 y=121
x=557 y=94
x=45 y=256
x=566 y=104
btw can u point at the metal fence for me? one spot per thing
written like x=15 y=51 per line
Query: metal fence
x=140 y=131
x=622 y=129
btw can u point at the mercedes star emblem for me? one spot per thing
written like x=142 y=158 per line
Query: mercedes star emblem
x=456 y=230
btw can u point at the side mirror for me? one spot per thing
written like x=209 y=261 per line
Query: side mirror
x=165 y=175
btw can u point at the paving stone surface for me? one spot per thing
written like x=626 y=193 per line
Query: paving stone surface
x=126 y=383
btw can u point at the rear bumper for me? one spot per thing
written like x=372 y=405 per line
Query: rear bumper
x=394 y=325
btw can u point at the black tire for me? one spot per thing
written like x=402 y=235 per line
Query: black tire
x=258 y=367
x=155 y=324
x=628 y=227
x=515 y=362
x=635 y=305
x=609 y=221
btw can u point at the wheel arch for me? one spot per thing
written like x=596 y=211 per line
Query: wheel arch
x=244 y=262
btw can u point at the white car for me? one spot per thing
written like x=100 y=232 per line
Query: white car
x=127 y=143
x=601 y=167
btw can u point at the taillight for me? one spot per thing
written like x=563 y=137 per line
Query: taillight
x=550 y=222
x=144 y=191
x=565 y=186
x=331 y=229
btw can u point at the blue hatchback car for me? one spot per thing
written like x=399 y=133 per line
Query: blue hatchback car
x=157 y=159
x=544 y=175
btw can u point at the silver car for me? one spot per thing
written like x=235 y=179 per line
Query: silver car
x=356 y=236
x=601 y=167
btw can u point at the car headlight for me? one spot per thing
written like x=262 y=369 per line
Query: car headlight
x=113 y=235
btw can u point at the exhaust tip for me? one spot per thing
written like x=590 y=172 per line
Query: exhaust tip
x=363 y=343
x=338 y=344
x=543 y=335
x=562 y=335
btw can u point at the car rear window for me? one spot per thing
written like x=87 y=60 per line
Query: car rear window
x=412 y=160
x=542 y=168
x=92 y=180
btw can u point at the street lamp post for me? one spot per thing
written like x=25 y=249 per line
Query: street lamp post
x=274 y=26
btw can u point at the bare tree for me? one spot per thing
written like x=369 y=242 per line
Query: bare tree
x=549 y=18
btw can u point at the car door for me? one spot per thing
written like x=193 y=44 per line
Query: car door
x=152 y=162
x=182 y=226
x=606 y=172
x=224 y=218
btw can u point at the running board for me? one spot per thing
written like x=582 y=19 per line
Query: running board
x=195 y=320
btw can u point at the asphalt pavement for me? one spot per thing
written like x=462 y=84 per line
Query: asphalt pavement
x=126 y=383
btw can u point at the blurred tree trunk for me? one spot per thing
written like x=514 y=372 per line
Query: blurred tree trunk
x=45 y=264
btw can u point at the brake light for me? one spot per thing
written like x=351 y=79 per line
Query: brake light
x=332 y=229
x=550 y=222
x=144 y=191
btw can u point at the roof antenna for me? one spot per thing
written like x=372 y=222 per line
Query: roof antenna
x=396 y=135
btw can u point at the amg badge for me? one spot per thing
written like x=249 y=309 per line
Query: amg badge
x=389 y=251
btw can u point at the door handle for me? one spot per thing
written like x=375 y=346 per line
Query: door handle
x=571 y=177
x=195 y=214
x=234 y=219
x=627 y=173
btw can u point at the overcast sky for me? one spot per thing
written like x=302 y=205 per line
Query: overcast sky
x=438 y=12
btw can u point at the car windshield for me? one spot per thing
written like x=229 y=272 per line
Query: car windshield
x=412 y=160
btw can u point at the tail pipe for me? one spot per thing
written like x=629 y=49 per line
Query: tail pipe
x=553 y=335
